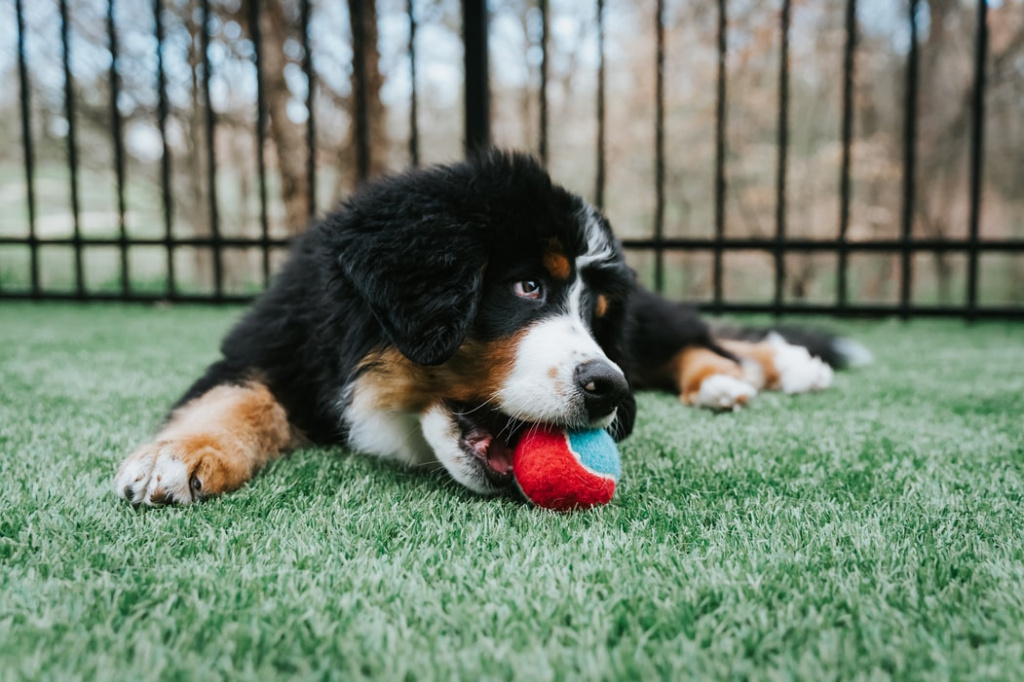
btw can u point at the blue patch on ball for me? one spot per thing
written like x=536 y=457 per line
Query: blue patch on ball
x=597 y=451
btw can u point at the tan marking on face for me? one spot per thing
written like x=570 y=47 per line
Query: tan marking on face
x=553 y=372
x=555 y=261
x=474 y=374
x=601 y=307
x=227 y=434
x=761 y=353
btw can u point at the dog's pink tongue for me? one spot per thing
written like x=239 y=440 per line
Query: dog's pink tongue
x=497 y=454
x=499 y=457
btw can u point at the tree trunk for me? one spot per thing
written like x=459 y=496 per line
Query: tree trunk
x=289 y=140
x=376 y=115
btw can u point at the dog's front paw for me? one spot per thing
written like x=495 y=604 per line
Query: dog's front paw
x=180 y=471
x=723 y=392
x=156 y=474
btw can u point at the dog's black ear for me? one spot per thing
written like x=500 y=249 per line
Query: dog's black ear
x=420 y=276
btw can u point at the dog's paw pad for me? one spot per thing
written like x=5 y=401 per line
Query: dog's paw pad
x=722 y=392
x=155 y=474
x=799 y=371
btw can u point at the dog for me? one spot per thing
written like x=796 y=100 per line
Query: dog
x=437 y=315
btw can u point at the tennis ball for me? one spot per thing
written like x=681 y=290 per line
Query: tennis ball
x=564 y=471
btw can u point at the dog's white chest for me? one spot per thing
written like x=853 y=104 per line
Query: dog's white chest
x=377 y=430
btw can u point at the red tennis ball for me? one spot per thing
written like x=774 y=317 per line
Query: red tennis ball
x=564 y=471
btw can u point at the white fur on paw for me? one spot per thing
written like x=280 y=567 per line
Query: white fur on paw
x=799 y=372
x=753 y=374
x=154 y=475
x=722 y=392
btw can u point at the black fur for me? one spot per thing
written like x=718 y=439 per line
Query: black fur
x=421 y=261
x=819 y=343
x=658 y=329
x=414 y=261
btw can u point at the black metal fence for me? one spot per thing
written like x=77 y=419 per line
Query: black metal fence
x=477 y=133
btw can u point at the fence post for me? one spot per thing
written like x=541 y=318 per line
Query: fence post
x=783 y=149
x=359 y=87
x=659 y=148
x=29 y=153
x=543 y=94
x=844 y=175
x=72 y=146
x=117 y=137
x=977 y=152
x=414 y=130
x=909 y=167
x=478 y=96
x=211 y=154
x=720 y=113
x=599 y=180
x=307 y=68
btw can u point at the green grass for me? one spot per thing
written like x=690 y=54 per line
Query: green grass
x=873 y=531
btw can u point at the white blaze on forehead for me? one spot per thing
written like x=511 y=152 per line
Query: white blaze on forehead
x=599 y=243
x=574 y=299
x=600 y=249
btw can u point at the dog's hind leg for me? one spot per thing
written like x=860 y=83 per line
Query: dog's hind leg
x=706 y=379
x=212 y=444
x=781 y=365
x=671 y=348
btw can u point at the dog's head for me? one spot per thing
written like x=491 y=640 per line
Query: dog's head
x=502 y=302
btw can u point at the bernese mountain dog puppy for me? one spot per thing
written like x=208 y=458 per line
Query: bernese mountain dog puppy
x=432 y=319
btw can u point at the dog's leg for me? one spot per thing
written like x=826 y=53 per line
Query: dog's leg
x=706 y=379
x=781 y=365
x=210 y=445
x=672 y=349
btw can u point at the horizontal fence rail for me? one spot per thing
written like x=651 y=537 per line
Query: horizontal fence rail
x=777 y=245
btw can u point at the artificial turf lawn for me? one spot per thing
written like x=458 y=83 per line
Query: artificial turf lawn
x=874 y=530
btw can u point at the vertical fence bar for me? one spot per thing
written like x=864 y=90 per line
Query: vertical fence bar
x=599 y=181
x=359 y=86
x=307 y=68
x=115 y=133
x=780 y=200
x=28 y=151
x=720 y=157
x=256 y=33
x=477 y=96
x=165 y=158
x=659 y=149
x=69 y=114
x=909 y=152
x=842 y=295
x=211 y=156
x=977 y=154
x=414 y=130
x=543 y=5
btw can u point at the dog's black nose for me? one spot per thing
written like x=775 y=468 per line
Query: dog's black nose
x=603 y=387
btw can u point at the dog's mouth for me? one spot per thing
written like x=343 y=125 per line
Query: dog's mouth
x=490 y=437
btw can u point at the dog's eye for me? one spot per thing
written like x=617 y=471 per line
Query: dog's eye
x=529 y=288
